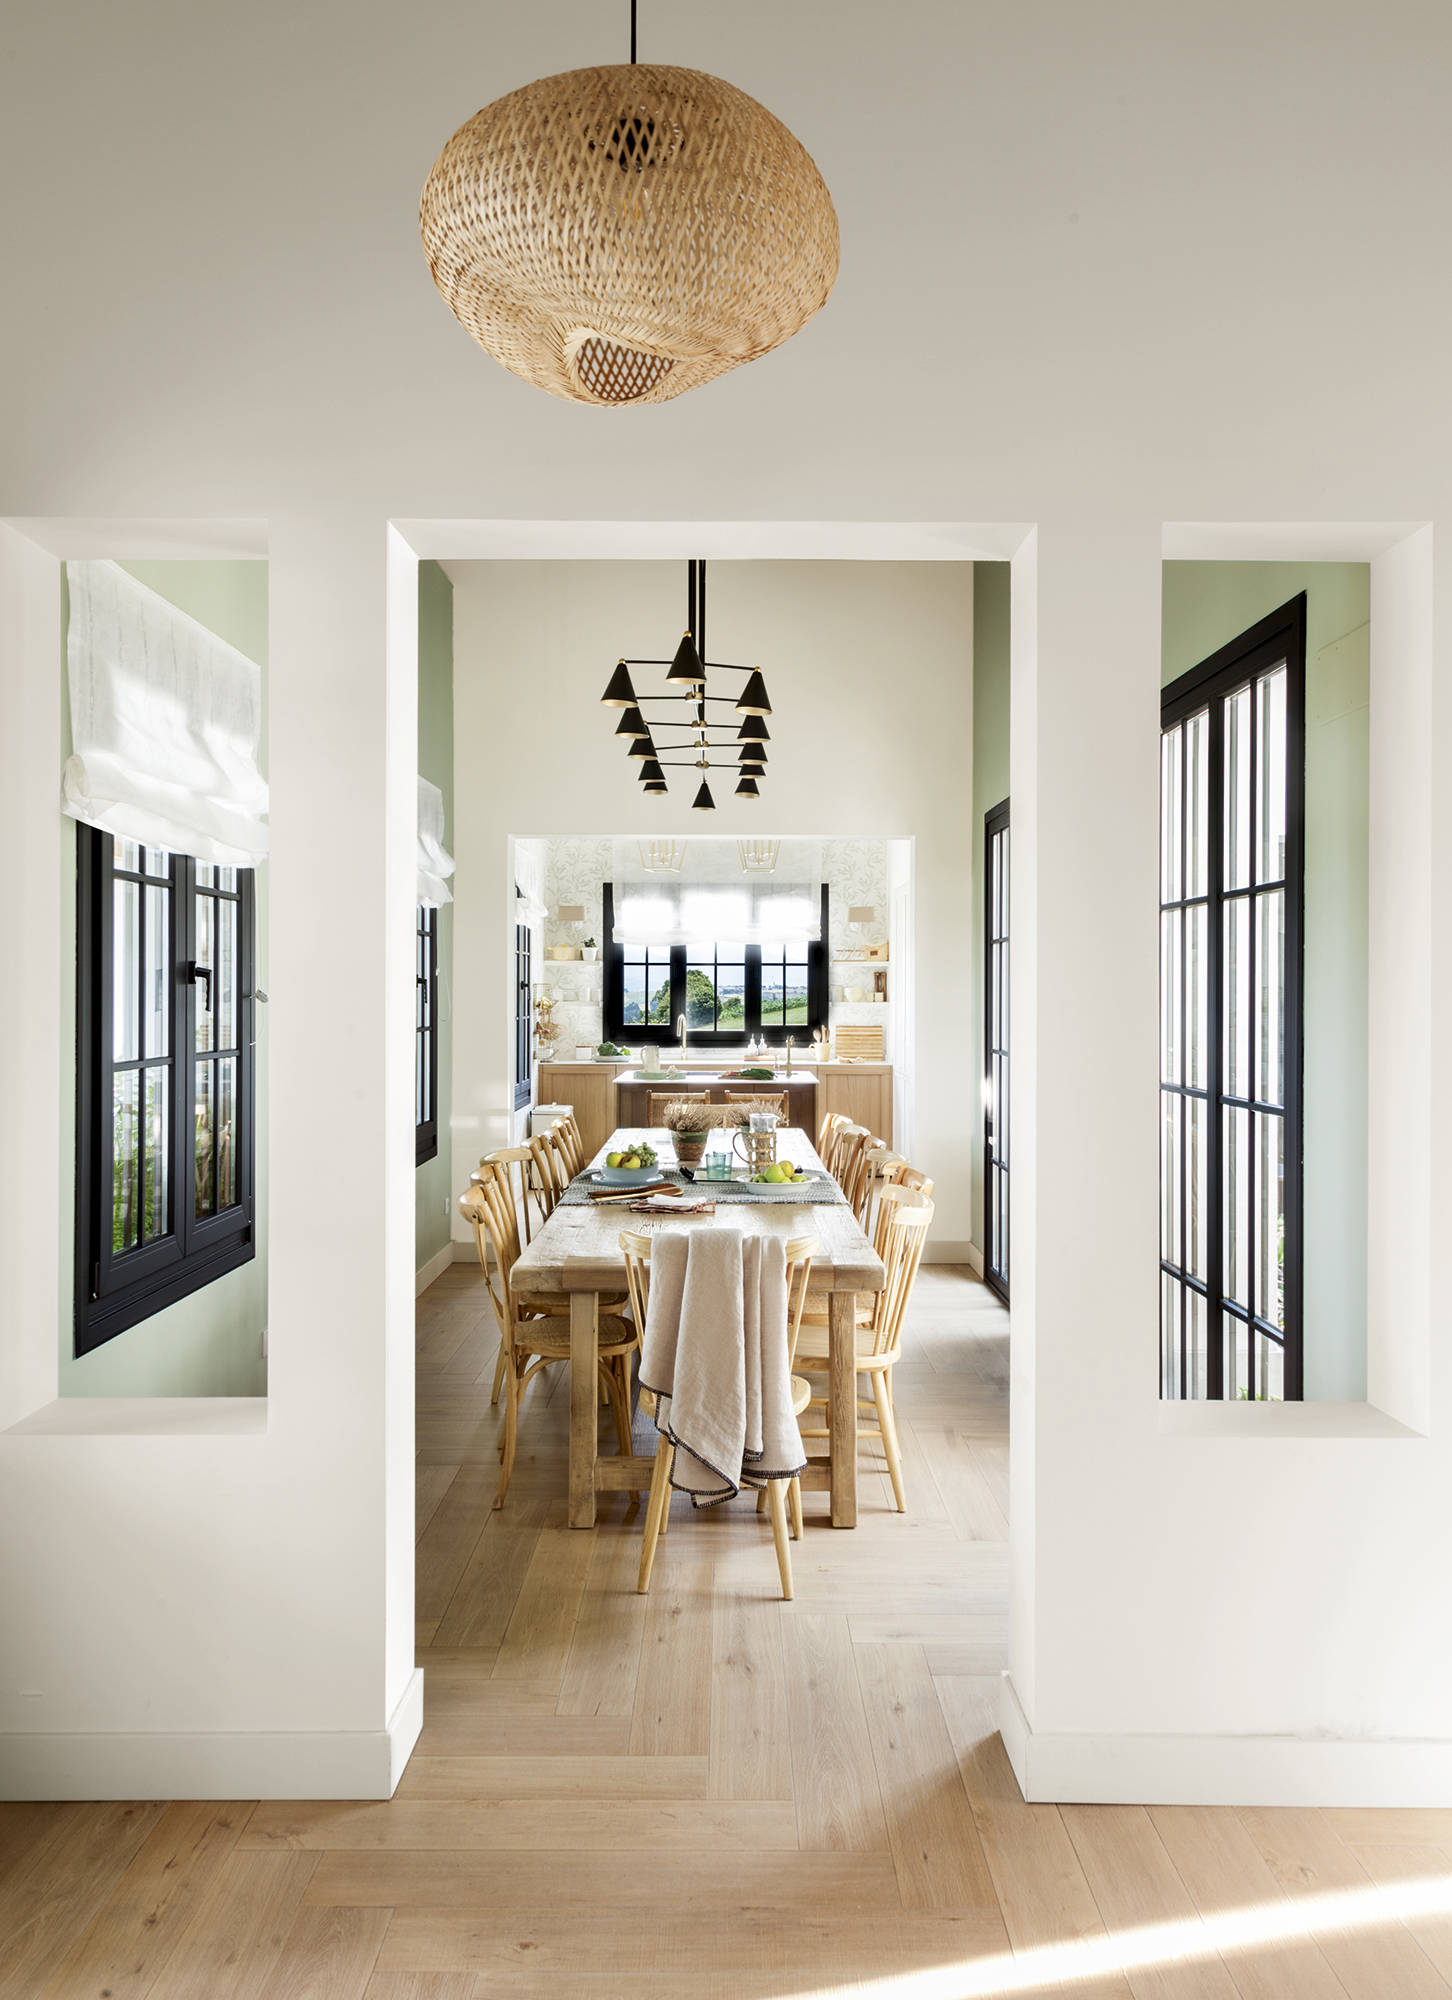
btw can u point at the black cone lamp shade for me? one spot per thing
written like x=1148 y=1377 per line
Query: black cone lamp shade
x=686 y=667
x=752 y=770
x=621 y=692
x=747 y=789
x=754 y=700
x=641 y=747
x=632 y=723
x=754 y=730
x=651 y=772
x=703 y=802
x=657 y=788
x=752 y=753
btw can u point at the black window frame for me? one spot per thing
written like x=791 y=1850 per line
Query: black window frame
x=997 y=973
x=617 y=1030
x=118 y=1290
x=1281 y=636
x=523 y=1013
x=426 y=1036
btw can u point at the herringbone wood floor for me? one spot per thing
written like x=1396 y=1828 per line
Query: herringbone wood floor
x=710 y=1792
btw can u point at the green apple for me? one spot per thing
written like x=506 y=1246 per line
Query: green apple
x=614 y=1159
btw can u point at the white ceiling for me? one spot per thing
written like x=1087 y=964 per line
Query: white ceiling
x=1153 y=257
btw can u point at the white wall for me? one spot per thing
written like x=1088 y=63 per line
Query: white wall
x=870 y=671
x=1227 y=1602
x=212 y=1597
x=1072 y=291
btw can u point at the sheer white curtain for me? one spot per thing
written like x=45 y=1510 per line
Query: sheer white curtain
x=435 y=863
x=165 y=724
x=713 y=897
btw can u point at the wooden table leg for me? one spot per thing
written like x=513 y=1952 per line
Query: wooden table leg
x=584 y=1406
x=842 y=1405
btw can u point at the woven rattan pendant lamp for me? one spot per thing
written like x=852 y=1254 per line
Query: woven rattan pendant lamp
x=623 y=234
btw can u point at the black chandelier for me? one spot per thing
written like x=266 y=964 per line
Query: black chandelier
x=689 y=712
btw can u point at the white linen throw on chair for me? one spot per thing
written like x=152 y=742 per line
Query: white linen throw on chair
x=715 y=1354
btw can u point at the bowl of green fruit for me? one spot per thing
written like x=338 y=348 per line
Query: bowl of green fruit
x=783 y=1174
x=632 y=1166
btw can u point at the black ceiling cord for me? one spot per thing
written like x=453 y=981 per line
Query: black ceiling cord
x=632 y=30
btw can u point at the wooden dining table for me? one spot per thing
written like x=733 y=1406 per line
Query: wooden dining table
x=577 y=1250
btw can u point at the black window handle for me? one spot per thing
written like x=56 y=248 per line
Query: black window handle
x=203 y=972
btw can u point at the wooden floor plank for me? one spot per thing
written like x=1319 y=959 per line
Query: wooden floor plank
x=329 y=1954
x=1037 y=1877
x=24 y=1829
x=834 y=1776
x=126 y=1945
x=430 y=1484
x=1136 y=1887
x=750 y=1756
x=473 y=1780
x=930 y=1825
x=806 y=1944
x=449 y=1538
x=422 y=1986
x=524 y=1826
x=536 y=1641
x=483 y=1592
x=1307 y=1859
x=56 y=1892
x=672 y=1715
x=236 y=1935
x=1225 y=1873
x=1416 y=1867
x=607 y=1879
x=604 y=1660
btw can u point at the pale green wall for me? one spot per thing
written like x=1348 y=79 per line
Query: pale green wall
x=211 y=1343
x=1207 y=604
x=990 y=789
x=432 y=1189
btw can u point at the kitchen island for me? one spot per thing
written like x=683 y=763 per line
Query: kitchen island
x=861 y=1091
x=634 y=1089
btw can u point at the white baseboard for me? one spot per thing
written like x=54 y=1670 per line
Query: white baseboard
x=952 y=1250
x=302 y=1764
x=1221 y=1770
x=434 y=1268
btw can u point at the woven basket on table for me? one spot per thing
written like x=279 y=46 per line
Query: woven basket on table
x=623 y=234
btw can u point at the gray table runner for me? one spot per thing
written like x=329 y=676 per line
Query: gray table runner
x=763 y=1194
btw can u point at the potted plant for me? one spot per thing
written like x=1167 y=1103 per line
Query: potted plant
x=691 y=1120
x=589 y=951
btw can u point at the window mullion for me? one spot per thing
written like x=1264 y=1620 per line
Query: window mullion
x=184 y=1044
x=1214 y=1031
x=751 y=990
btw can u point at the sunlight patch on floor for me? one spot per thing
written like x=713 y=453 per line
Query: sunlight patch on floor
x=1048 y=1968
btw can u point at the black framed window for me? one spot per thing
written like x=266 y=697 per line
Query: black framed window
x=425 y=1036
x=728 y=991
x=165 y=1080
x=523 y=1016
x=995 y=1049
x=1232 y=847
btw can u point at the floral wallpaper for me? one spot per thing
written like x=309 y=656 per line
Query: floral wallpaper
x=855 y=872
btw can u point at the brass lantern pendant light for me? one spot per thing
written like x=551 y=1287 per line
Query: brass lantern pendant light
x=625 y=233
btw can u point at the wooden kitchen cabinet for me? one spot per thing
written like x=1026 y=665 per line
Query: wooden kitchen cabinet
x=859 y=1091
x=590 y=1088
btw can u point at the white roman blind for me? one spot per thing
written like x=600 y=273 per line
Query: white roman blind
x=435 y=863
x=165 y=724
x=712 y=897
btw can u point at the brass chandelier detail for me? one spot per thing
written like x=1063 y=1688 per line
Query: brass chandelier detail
x=621 y=234
x=689 y=710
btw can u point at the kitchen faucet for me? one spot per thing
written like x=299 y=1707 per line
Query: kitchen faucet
x=681 y=1032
